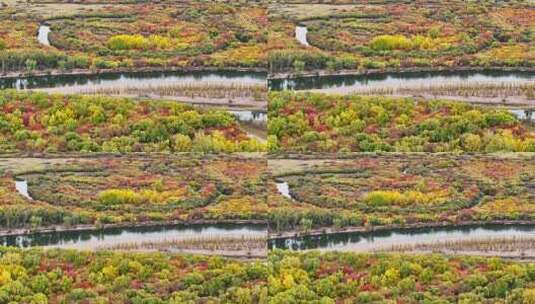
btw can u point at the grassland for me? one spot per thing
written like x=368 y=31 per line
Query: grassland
x=511 y=247
x=513 y=94
x=371 y=190
x=132 y=190
x=382 y=35
x=237 y=247
x=133 y=35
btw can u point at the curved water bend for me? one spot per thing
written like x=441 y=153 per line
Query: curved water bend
x=301 y=35
x=344 y=84
x=42 y=35
x=95 y=239
x=284 y=189
x=22 y=188
x=385 y=239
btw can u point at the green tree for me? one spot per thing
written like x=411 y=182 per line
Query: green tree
x=31 y=65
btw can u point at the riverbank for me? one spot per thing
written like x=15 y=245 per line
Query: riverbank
x=516 y=101
x=236 y=247
x=20 y=156
x=239 y=103
x=81 y=72
x=516 y=257
x=506 y=247
x=257 y=254
x=367 y=229
x=256 y=132
x=378 y=72
x=148 y=224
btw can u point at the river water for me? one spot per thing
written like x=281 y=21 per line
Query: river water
x=74 y=83
x=384 y=239
x=301 y=35
x=344 y=84
x=22 y=188
x=115 y=236
x=42 y=35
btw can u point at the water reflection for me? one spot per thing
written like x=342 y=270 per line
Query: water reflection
x=374 y=240
x=86 y=82
x=349 y=83
x=113 y=236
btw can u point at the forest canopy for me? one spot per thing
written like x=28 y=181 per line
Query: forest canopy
x=37 y=122
x=333 y=123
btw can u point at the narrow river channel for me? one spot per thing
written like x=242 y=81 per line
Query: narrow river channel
x=284 y=189
x=22 y=188
x=95 y=239
x=301 y=35
x=42 y=35
x=344 y=84
x=385 y=239
x=78 y=83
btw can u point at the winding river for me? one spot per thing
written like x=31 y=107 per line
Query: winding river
x=95 y=239
x=343 y=84
x=284 y=189
x=301 y=34
x=42 y=35
x=22 y=188
x=77 y=83
x=385 y=239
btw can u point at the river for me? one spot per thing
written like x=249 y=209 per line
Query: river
x=343 y=84
x=385 y=239
x=77 y=83
x=95 y=239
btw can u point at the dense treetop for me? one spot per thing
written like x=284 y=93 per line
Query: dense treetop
x=32 y=122
x=330 y=123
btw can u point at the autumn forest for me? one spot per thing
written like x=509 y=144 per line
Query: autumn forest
x=267 y=152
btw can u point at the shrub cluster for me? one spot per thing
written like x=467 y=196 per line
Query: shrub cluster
x=330 y=123
x=56 y=123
